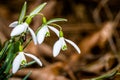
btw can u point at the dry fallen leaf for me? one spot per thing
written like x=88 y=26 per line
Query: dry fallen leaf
x=98 y=38
x=51 y=72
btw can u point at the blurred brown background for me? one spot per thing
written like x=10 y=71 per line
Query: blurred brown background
x=92 y=24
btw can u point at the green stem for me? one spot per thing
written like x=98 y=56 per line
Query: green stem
x=105 y=76
x=25 y=78
x=27 y=43
x=28 y=64
x=56 y=25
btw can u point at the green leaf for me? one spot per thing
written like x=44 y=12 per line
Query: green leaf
x=17 y=45
x=22 y=14
x=14 y=48
x=38 y=9
x=9 y=58
x=26 y=77
x=56 y=20
x=4 y=50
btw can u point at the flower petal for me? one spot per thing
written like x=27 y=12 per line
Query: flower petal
x=13 y=24
x=19 y=29
x=54 y=30
x=63 y=43
x=33 y=35
x=56 y=48
x=16 y=63
x=41 y=34
x=34 y=58
x=74 y=45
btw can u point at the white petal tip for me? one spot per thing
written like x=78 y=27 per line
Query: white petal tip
x=35 y=43
x=39 y=42
x=54 y=55
x=33 y=36
x=12 y=34
x=13 y=24
x=79 y=52
x=40 y=64
x=14 y=71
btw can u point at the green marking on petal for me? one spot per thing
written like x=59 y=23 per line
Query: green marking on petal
x=64 y=47
x=47 y=34
x=23 y=62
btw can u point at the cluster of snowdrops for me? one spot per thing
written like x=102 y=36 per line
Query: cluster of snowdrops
x=12 y=54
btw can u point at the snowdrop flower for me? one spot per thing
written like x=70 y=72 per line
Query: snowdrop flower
x=44 y=32
x=21 y=60
x=61 y=44
x=20 y=28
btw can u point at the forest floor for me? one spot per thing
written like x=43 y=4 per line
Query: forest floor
x=92 y=24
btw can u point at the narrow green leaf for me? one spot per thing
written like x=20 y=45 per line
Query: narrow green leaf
x=26 y=77
x=14 y=48
x=38 y=9
x=56 y=20
x=22 y=14
x=9 y=58
x=4 y=50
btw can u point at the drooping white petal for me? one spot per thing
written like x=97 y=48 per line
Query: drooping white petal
x=16 y=63
x=34 y=58
x=54 y=30
x=74 y=45
x=33 y=35
x=56 y=48
x=41 y=34
x=18 y=29
x=13 y=24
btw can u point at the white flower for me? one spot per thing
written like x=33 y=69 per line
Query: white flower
x=21 y=60
x=61 y=44
x=43 y=32
x=20 y=28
